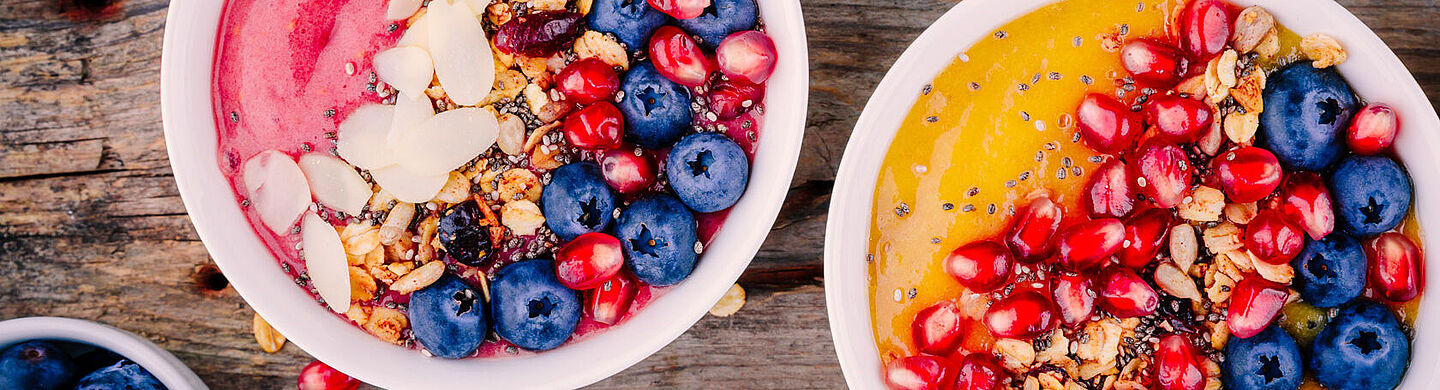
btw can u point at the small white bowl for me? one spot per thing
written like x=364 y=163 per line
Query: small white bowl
x=1372 y=70
x=190 y=136
x=169 y=370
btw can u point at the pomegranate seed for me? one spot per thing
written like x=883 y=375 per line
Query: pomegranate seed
x=978 y=371
x=1085 y=246
x=598 y=126
x=980 y=266
x=1305 y=201
x=1144 y=234
x=918 y=373
x=539 y=34
x=1024 y=314
x=681 y=9
x=1205 y=28
x=1248 y=174
x=627 y=170
x=1110 y=192
x=730 y=98
x=588 y=261
x=1273 y=239
x=1106 y=124
x=748 y=55
x=677 y=57
x=1253 y=304
x=1396 y=267
x=318 y=376
x=1163 y=172
x=1178 y=119
x=937 y=328
x=1075 y=297
x=1124 y=294
x=587 y=81
x=1152 y=61
x=1033 y=234
x=1177 y=364
x=1373 y=130
x=610 y=302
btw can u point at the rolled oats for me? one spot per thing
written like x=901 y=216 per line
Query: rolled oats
x=1251 y=27
x=1324 y=50
x=387 y=324
x=547 y=5
x=1184 y=248
x=1219 y=334
x=520 y=184
x=1016 y=355
x=1193 y=86
x=1249 y=93
x=1241 y=128
x=498 y=13
x=1220 y=76
x=538 y=135
x=362 y=286
x=509 y=83
x=1175 y=282
x=1270 y=45
x=455 y=190
x=523 y=217
x=270 y=340
x=604 y=47
x=396 y=223
x=1241 y=213
x=1203 y=205
x=1223 y=237
x=1220 y=287
x=363 y=243
x=358 y=313
x=511 y=138
x=1278 y=273
x=1051 y=381
x=546 y=157
x=730 y=303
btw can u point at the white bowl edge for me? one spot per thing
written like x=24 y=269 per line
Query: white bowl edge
x=159 y=362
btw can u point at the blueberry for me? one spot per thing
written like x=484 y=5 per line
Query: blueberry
x=1331 y=271
x=448 y=318
x=1268 y=361
x=658 y=234
x=462 y=236
x=35 y=365
x=1362 y=348
x=1372 y=194
x=708 y=171
x=657 y=110
x=631 y=20
x=577 y=201
x=1306 y=113
x=720 y=19
x=124 y=375
x=530 y=306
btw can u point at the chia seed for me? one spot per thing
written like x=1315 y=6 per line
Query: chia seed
x=330 y=113
x=925 y=90
x=932 y=119
x=1001 y=34
x=1010 y=184
x=235 y=116
x=974 y=86
x=947 y=206
x=973 y=191
x=992 y=209
x=968 y=208
x=1087 y=80
x=1024 y=116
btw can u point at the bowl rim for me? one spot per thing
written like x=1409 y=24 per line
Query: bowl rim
x=159 y=362
x=186 y=65
x=848 y=226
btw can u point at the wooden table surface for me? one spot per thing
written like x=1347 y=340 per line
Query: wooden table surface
x=92 y=227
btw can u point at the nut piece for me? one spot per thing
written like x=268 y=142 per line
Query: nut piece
x=1203 y=205
x=270 y=340
x=1250 y=92
x=1016 y=355
x=1214 y=136
x=547 y=5
x=1270 y=46
x=1184 y=248
x=387 y=324
x=512 y=134
x=1223 y=238
x=1175 y=282
x=1100 y=343
x=536 y=70
x=419 y=278
x=1251 y=27
x=1324 y=50
x=359 y=314
x=1241 y=213
x=729 y=303
x=1219 y=335
x=607 y=49
x=1241 y=128
x=1278 y=273
x=523 y=217
x=509 y=83
x=1220 y=76
x=1220 y=287
x=519 y=184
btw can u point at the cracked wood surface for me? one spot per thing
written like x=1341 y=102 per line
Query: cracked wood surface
x=91 y=225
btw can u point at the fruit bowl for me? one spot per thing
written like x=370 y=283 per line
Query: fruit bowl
x=1373 y=71
x=191 y=138
x=158 y=362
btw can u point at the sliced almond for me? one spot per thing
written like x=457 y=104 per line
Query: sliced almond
x=730 y=303
x=1270 y=45
x=511 y=137
x=446 y=141
x=1175 y=282
x=1241 y=213
x=408 y=186
x=362 y=137
x=1278 y=273
x=419 y=278
x=1214 y=136
x=335 y=183
x=325 y=262
x=417 y=35
x=407 y=68
x=461 y=52
x=401 y=9
x=276 y=188
x=410 y=111
x=270 y=340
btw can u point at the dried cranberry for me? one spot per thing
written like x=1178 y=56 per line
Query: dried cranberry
x=539 y=34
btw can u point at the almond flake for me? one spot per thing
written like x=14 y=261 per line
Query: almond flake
x=730 y=303
x=270 y=340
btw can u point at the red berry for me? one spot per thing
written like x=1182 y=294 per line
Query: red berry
x=980 y=266
x=1205 y=28
x=1248 y=174
x=1253 y=304
x=1152 y=61
x=1085 y=246
x=1397 y=269
x=538 y=34
x=627 y=170
x=730 y=98
x=1075 y=298
x=1305 y=201
x=1032 y=237
x=1178 y=119
x=677 y=57
x=1124 y=294
x=979 y=371
x=1177 y=364
x=1024 y=314
x=598 y=126
x=1273 y=239
x=1145 y=233
x=318 y=376
x=918 y=373
x=588 y=261
x=681 y=9
x=748 y=55
x=587 y=81
x=937 y=328
x=1106 y=124
x=608 y=303
x=1373 y=130
x=1111 y=192
x=1162 y=172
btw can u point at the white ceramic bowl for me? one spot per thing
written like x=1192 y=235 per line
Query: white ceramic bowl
x=1373 y=70
x=169 y=370
x=190 y=135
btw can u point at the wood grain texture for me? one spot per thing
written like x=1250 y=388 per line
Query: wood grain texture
x=91 y=225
